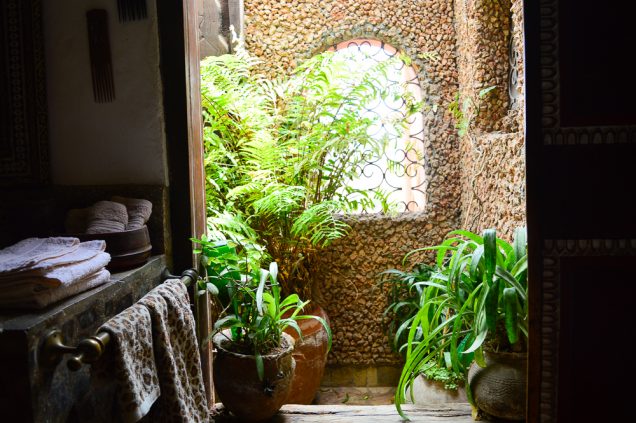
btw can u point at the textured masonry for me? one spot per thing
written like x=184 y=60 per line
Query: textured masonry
x=472 y=42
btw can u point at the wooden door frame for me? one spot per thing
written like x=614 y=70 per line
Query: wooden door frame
x=179 y=65
x=533 y=202
x=183 y=120
x=197 y=175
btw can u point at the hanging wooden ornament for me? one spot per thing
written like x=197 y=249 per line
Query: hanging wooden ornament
x=100 y=56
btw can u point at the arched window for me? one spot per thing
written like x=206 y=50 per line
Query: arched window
x=399 y=171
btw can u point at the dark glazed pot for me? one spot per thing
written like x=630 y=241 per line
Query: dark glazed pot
x=310 y=354
x=238 y=386
x=499 y=389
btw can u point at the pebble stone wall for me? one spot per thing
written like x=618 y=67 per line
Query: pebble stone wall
x=493 y=161
x=285 y=32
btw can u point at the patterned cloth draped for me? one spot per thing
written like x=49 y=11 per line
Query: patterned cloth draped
x=177 y=357
x=131 y=362
x=154 y=363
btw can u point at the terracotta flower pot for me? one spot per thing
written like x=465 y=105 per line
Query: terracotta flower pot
x=238 y=386
x=310 y=354
x=499 y=389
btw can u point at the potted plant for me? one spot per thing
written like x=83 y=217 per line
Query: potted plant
x=229 y=250
x=253 y=364
x=279 y=155
x=475 y=308
x=409 y=291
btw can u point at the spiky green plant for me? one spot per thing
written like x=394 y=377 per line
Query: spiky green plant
x=258 y=314
x=476 y=299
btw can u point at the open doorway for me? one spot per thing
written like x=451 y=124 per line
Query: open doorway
x=473 y=161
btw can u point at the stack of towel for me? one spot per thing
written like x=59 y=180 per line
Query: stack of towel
x=37 y=272
x=117 y=215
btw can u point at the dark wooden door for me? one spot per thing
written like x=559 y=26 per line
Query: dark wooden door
x=581 y=146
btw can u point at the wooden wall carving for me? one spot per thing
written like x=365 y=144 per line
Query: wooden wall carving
x=24 y=153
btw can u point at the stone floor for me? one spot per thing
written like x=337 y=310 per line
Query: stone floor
x=361 y=405
x=341 y=413
x=349 y=395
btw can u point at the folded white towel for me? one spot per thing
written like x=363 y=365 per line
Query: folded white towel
x=138 y=209
x=130 y=361
x=85 y=251
x=106 y=217
x=31 y=251
x=40 y=299
x=56 y=276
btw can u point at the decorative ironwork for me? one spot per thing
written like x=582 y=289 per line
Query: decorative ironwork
x=397 y=173
x=514 y=58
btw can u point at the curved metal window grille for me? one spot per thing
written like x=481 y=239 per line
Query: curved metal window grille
x=398 y=172
x=514 y=87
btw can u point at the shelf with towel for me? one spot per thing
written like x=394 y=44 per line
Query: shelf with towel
x=90 y=349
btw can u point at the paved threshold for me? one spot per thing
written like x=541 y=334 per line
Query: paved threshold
x=446 y=413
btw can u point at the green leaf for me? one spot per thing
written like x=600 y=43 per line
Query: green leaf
x=226 y=322
x=476 y=261
x=270 y=302
x=470 y=235
x=284 y=323
x=520 y=243
x=273 y=270
x=510 y=310
x=490 y=253
x=509 y=279
x=492 y=299
x=260 y=367
x=465 y=359
x=479 y=340
x=259 y=291
x=479 y=357
x=212 y=289
x=324 y=324
x=469 y=394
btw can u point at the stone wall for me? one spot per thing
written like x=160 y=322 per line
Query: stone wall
x=349 y=282
x=285 y=32
x=494 y=184
x=483 y=33
x=492 y=164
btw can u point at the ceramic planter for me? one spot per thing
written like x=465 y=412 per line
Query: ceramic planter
x=499 y=389
x=310 y=354
x=433 y=392
x=238 y=386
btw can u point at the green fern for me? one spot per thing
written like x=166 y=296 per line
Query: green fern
x=279 y=153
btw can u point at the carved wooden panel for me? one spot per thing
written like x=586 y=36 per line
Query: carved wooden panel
x=24 y=156
x=551 y=60
x=555 y=252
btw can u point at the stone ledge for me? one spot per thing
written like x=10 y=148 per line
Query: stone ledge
x=354 y=376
